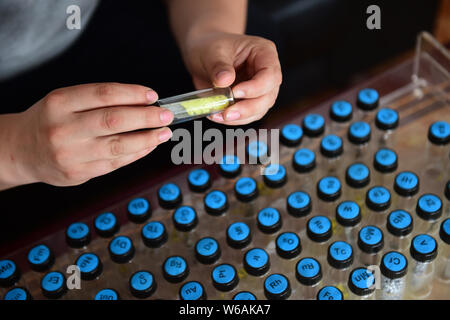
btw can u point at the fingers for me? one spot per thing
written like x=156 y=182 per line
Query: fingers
x=247 y=110
x=120 y=145
x=266 y=71
x=113 y=120
x=98 y=168
x=95 y=95
x=219 y=66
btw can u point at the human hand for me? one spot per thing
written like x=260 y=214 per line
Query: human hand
x=77 y=133
x=222 y=59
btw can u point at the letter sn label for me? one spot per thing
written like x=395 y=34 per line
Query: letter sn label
x=374 y=20
x=74 y=280
x=73 y=21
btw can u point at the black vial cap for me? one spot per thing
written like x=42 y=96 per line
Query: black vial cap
x=370 y=104
x=77 y=243
x=339 y=264
x=395 y=230
x=394 y=274
x=308 y=281
x=423 y=256
x=370 y=248
x=278 y=296
x=154 y=242
x=256 y=271
x=447 y=190
x=93 y=273
x=11 y=279
x=142 y=294
x=357 y=290
x=443 y=231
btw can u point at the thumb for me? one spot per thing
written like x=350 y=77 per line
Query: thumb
x=221 y=70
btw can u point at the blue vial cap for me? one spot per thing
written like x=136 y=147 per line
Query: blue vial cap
x=246 y=189
x=348 y=213
x=230 y=166
x=90 y=266
x=256 y=262
x=107 y=294
x=406 y=183
x=331 y=146
x=257 y=150
x=275 y=175
x=224 y=277
x=361 y=281
x=385 y=160
x=175 y=269
x=277 y=287
x=313 y=125
x=169 y=196
x=378 y=198
x=341 y=111
x=439 y=132
x=340 y=255
x=357 y=175
x=199 y=180
x=429 y=207
x=269 y=220
x=330 y=293
x=444 y=231
x=291 y=135
x=139 y=210
x=216 y=202
x=238 y=235
x=40 y=257
x=9 y=273
x=154 y=234
x=399 y=223
x=370 y=239
x=368 y=99
x=359 y=132
x=207 y=250
x=394 y=265
x=78 y=235
x=53 y=285
x=299 y=204
x=308 y=271
x=192 y=290
x=387 y=119
x=329 y=188
x=121 y=249
x=244 y=295
x=304 y=160
x=142 y=284
x=319 y=229
x=185 y=218
x=106 y=224
x=423 y=248
x=288 y=245
x=17 y=294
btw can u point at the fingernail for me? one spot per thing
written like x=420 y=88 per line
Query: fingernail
x=221 y=74
x=166 y=116
x=152 y=96
x=232 y=115
x=165 y=135
x=238 y=94
x=218 y=117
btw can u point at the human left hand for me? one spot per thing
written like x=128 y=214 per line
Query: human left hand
x=248 y=63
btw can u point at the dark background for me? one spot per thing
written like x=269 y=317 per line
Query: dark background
x=321 y=43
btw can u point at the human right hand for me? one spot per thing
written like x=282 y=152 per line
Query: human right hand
x=77 y=133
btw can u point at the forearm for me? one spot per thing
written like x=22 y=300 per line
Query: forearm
x=192 y=18
x=11 y=174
